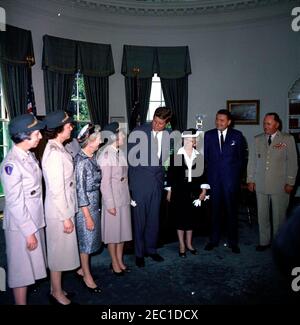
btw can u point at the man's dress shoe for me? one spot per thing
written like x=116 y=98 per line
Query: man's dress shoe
x=156 y=257
x=140 y=261
x=210 y=246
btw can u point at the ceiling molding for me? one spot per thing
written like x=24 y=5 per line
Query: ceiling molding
x=170 y=7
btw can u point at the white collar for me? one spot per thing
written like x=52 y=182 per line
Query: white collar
x=181 y=151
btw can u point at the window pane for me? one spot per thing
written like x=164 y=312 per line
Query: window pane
x=152 y=107
x=155 y=92
x=155 y=78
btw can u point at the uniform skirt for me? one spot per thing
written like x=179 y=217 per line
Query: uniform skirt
x=24 y=266
x=62 y=248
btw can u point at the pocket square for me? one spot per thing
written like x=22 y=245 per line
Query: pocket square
x=232 y=143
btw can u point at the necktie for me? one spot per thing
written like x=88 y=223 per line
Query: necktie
x=155 y=143
x=270 y=140
x=222 y=140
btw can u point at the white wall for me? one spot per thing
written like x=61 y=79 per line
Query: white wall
x=242 y=55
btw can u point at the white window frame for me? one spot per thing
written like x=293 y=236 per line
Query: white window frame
x=160 y=102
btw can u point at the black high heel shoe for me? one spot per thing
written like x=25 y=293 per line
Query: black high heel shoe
x=193 y=251
x=126 y=270
x=116 y=273
x=182 y=254
x=95 y=290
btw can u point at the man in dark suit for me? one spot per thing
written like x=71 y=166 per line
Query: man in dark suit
x=148 y=148
x=224 y=154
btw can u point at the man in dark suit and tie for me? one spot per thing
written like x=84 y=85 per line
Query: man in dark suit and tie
x=148 y=149
x=224 y=156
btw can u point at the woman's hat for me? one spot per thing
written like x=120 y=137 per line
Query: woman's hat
x=112 y=127
x=25 y=123
x=87 y=131
x=57 y=118
x=190 y=133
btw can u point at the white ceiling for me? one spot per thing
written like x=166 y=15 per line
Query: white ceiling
x=170 y=7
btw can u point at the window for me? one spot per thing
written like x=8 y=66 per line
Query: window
x=5 y=141
x=156 y=97
x=79 y=105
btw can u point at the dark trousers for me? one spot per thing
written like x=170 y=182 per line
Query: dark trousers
x=226 y=197
x=146 y=220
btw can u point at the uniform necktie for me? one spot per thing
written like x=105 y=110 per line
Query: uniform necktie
x=270 y=140
x=222 y=140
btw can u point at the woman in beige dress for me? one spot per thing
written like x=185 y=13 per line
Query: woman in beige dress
x=60 y=203
x=23 y=221
x=116 y=221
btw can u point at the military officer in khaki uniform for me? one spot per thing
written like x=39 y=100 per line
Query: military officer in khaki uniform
x=272 y=170
x=24 y=222
x=60 y=203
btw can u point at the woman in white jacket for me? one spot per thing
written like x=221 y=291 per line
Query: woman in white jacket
x=60 y=203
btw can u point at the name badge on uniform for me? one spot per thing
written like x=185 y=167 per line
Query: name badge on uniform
x=8 y=169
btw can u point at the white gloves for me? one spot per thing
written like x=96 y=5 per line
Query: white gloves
x=197 y=203
x=133 y=203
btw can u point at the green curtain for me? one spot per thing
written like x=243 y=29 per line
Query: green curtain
x=16 y=58
x=142 y=57
x=144 y=89
x=172 y=64
x=62 y=59
x=95 y=60
x=58 y=90
x=97 y=96
x=59 y=55
x=176 y=97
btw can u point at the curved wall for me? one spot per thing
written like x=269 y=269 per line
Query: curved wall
x=246 y=54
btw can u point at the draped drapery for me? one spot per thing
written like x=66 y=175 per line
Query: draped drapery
x=62 y=59
x=172 y=64
x=16 y=59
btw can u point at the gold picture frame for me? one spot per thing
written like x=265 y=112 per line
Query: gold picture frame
x=244 y=111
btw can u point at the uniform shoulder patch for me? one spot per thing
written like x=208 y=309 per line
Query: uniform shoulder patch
x=8 y=169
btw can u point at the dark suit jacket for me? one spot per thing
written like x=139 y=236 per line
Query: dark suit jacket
x=225 y=167
x=149 y=172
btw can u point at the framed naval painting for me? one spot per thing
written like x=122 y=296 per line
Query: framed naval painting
x=244 y=111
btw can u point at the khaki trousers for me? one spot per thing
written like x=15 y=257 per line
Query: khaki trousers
x=279 y=203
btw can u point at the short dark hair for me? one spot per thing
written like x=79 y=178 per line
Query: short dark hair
x=225 y=112
x=275 y=116
x=52 y=133
x=163 y=113
x=21 y=136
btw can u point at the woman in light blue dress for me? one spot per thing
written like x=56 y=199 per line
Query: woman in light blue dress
x=88 y=178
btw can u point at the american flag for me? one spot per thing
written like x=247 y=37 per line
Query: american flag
x=31 y=108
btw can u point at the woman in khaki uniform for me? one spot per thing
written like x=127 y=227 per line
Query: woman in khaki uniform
x=60 y=203
x=23 y=222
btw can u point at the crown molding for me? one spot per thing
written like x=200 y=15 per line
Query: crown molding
x=170 y=7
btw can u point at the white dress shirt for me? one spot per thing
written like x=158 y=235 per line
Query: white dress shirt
x=159 y=140
x=224 y=132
